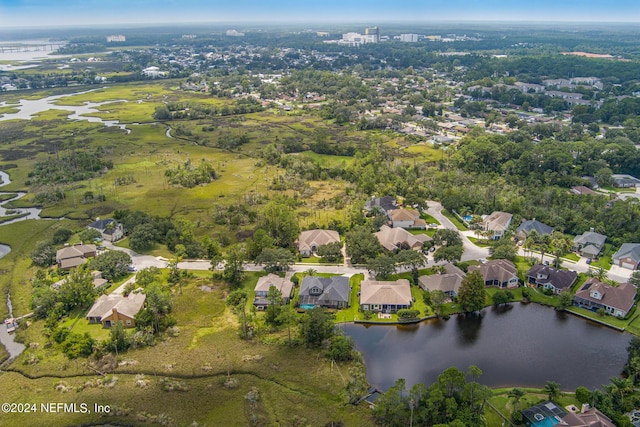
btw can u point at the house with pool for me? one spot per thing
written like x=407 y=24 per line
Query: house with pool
x=329 y=292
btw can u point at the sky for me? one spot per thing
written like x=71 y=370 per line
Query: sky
x=87 y=12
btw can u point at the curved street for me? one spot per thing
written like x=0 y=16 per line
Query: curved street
x=471 y=252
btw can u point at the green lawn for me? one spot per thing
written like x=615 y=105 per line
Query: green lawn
x=429 y=219
x=571 y=257
x=454 y=219
x=482 y=243
x=604 y=261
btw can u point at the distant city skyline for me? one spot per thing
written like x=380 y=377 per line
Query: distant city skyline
x=88 y=12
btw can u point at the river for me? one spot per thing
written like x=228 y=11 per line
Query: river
x=524 y=346
x=28 y=108
x=31 y=213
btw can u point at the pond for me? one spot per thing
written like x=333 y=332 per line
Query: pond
x=524 y=345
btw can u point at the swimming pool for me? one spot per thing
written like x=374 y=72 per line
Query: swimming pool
x=307 y=306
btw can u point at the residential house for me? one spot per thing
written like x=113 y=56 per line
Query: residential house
x=73 y=256
x=624 y=181
x=498 y=272
x=407 y=218
x=497 y=223
x=448 y=282
x=593 y=182
x=385 y=204
x=394 y=238
x=265 y=283
x=541 y=275
x=589 y=244
x=109 y=228
x=387 y=297
x=330 y=292
x=628 y=256
x=617 y=301
x=109 y=309
x=309 y=241
x=523 y=231
x=589 y=417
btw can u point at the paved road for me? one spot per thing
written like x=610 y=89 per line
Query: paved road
x=471 y=251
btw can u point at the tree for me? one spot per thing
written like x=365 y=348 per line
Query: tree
x=143 y=237
x=504 y=249
x=317 y=326
x=516 y=394
x=383 y=266
x=256 y=244
x=438 y=298
x=148 y=275
x=583 y=394
x=237 y=300
x=89 y=235
x=119 y=341
x=341 y=348
x=501 y=297
x=112 y=264
x=447 y=236
x=44 y=255
x=61 y=235
x=332 y=252
x=279 y=221
x=288 y=316
x=362 y=245
x=158 y=307
x=552 y=389
x=564 y=300
x=233 y=265
x=448 y=253
x=278 y=259
x=413 y=259
x=472 y=294
x=274 y=304
x=77 y=290
x=635 y=279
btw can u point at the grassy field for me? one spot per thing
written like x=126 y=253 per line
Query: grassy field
x=454 y=219
x=198 y=360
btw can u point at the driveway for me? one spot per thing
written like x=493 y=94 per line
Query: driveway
x=471 y=251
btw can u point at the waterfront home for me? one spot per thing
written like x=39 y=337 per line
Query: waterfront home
x=448 y=282
x=265 y=283
x=617 y=301
x=394 y=238
x=386 y=297
x=541 y=275
x=330 y=292
x=110 y=309
x=309 y=241
x=498 y=272
x=628 y=256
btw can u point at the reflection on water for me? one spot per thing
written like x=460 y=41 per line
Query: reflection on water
x=524 y=345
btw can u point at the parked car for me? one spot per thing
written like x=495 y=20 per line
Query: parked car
x=432 y=249
x=589 y=260
x=132 y=269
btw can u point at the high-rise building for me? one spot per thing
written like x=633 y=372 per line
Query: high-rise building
x=409 y=38
x=373 y=31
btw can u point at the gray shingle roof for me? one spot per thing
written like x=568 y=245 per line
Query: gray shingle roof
x=334 y=288
x=560 y=279
x=532 y=224
x=628 y=250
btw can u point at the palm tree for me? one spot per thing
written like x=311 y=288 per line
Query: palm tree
x=552 y=389
x=516 y=394
x=561 y=245
x=310 y=272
